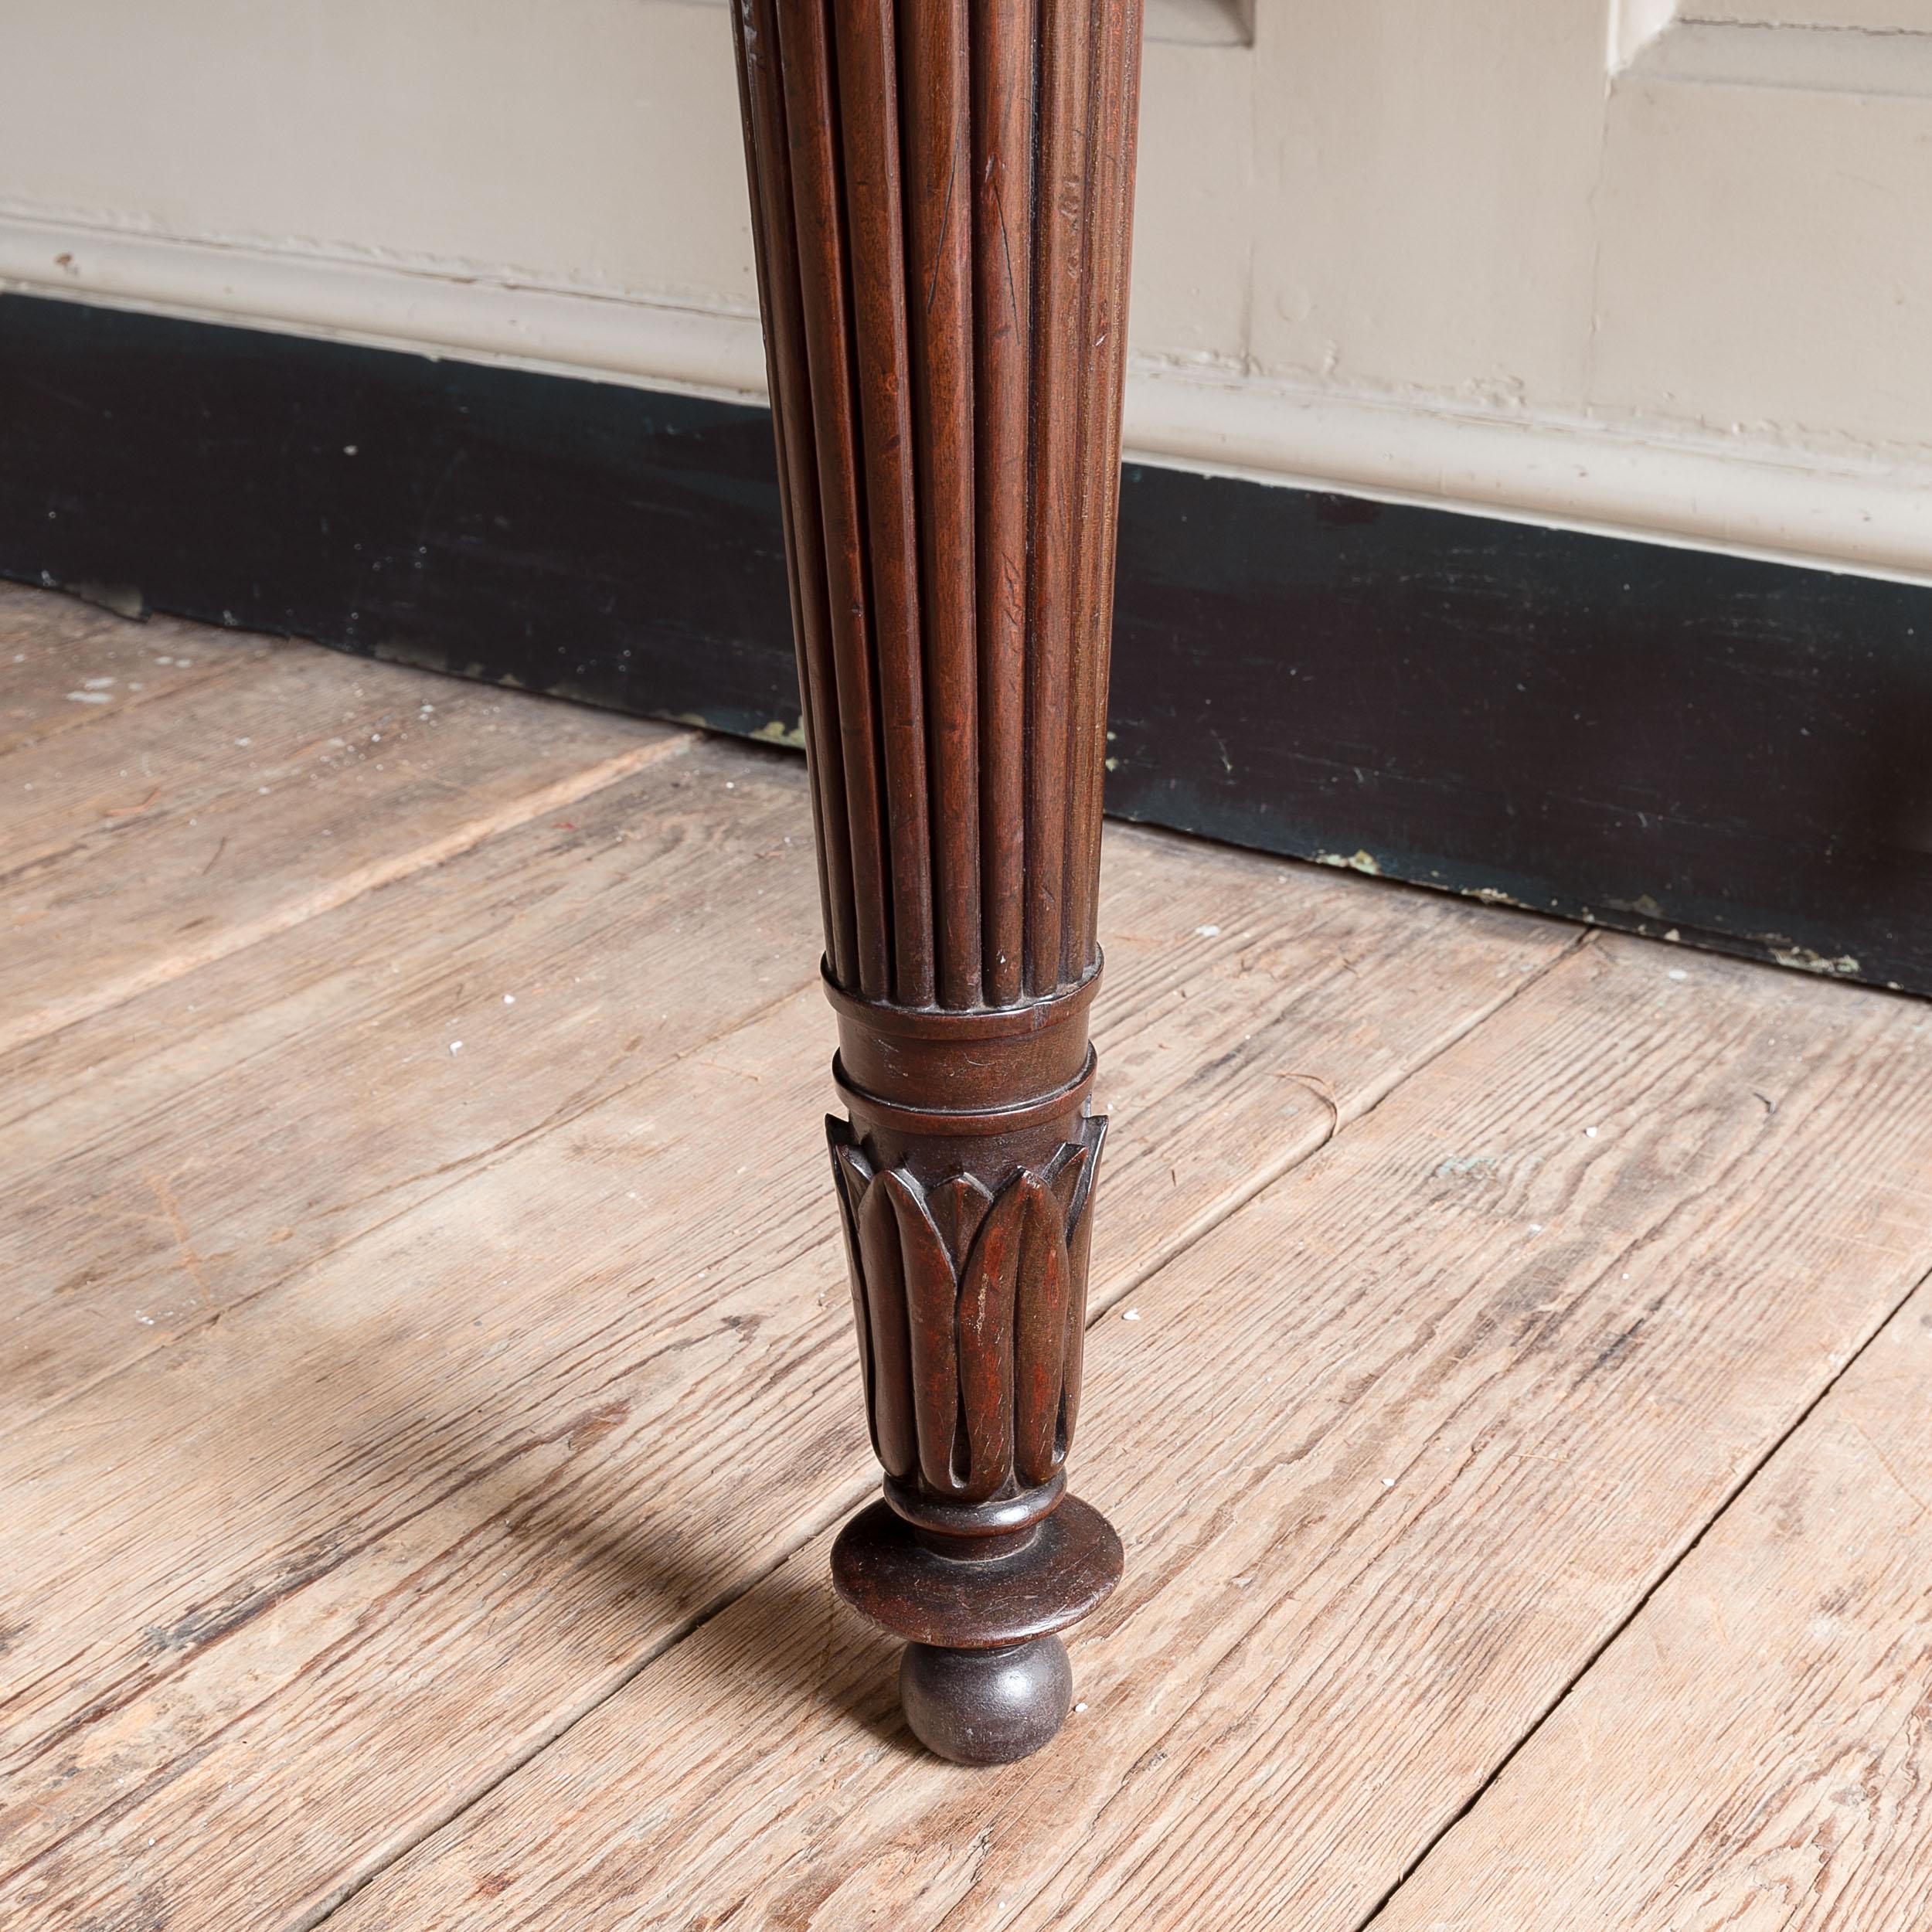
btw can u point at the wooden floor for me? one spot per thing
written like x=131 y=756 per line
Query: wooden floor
x=427 y=1395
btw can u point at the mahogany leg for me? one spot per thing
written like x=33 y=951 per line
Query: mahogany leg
x=941 y=194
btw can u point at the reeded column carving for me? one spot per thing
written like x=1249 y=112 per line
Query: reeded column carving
x=941 y=196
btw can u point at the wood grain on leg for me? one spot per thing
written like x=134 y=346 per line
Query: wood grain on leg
x=945 y=322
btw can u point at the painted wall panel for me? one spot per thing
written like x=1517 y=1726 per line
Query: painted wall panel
x=1637 y=264
x=1766 y=288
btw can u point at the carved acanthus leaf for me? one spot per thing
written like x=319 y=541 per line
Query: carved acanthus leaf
x=970 y=1303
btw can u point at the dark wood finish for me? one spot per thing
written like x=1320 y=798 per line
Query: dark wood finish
x=944 y=325
x=987 y=1706
x=1005 y=90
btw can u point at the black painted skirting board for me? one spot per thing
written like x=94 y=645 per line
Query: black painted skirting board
x=1737 y=753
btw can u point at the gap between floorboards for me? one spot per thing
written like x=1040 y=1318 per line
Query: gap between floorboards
x=1727 y=1503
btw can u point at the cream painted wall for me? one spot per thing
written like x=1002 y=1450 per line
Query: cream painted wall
x=1659 y=265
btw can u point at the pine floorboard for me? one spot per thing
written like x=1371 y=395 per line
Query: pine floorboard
x=1394 y=1452
x=65 y=665
x=1751 y=1751
x=164 y=836
x=425 y=1409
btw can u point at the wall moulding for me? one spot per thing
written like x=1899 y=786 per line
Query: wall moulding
x=1746 y=496
x=1876 y=48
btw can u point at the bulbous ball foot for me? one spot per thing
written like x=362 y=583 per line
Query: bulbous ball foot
x=986 y=1706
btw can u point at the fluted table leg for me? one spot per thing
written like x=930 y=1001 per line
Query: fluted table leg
x=941 y=195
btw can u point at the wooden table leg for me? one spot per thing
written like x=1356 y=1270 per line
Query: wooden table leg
x=942 y=193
